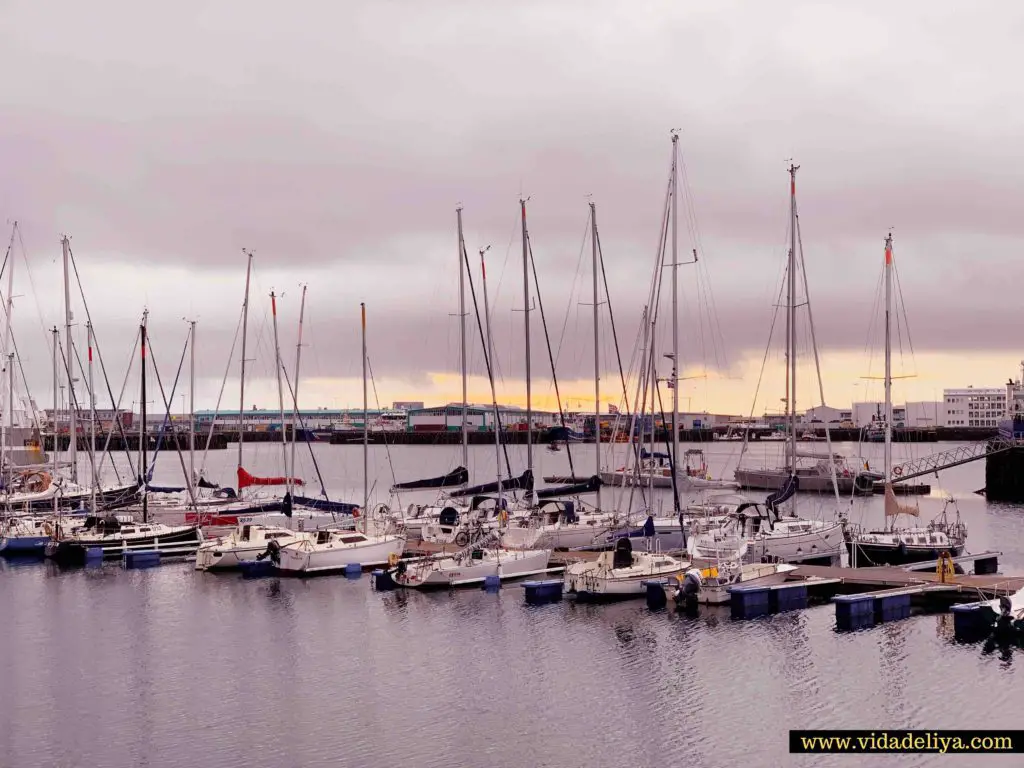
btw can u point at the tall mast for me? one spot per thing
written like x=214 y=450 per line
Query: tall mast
x=366 y=432
x=888 y=356
x=597 y=352
x=241 y=387
x=142 y=428
x=791 y=321
x=92 y=420
x=526 y=321
x=9 y=465
x=462 y=338
x=675 y=306
x=295 y=391
x=8 y=342
x=56 y=405
x=280 y=394
x=192 y=408
x=494 y=394
x=70 y=354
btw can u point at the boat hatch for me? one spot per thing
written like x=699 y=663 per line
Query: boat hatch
x=352 y=539
x=245 y=532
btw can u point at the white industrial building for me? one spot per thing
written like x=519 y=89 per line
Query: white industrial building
x=478 y=417
x=826 y=414
x=976 y=406
x=923 y=413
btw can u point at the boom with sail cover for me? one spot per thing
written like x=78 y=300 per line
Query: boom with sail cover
x=458 y=476
x=325 y=505
x=590 y=485
x=245 y=480
x=522 y=483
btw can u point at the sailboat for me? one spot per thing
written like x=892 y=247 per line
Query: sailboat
x=559 y=518
x=892 y=545
x=819 y=472
x=473 y=564
x=418 y=515
x=770 y=534
x=332 y=549
x=728 y=568
x=114 y=536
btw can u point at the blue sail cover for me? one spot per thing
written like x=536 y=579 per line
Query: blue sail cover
x=522 y=483
x=325 y=505
x=458 y=476
x=164 y=489
x=590 y=485
x=785 y=493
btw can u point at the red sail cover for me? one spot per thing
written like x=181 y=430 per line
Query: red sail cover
x=245 y=480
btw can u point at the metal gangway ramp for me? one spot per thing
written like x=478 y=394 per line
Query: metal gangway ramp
x=954 y=457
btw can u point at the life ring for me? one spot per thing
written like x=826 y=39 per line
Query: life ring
x=897 y=471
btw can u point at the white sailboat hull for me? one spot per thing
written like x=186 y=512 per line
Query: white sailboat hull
x=822 y=541
x=449 y=572
x=750 y=575
x=596 y=580
x=306 y=557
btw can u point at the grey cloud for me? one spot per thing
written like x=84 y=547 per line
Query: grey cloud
x=336 y=142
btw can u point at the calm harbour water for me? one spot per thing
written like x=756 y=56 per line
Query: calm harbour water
x=169 y=667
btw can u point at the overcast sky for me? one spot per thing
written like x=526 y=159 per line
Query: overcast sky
x=335 y=140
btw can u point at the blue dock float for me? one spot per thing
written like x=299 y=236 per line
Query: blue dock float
x=867 y=609
x=353 y=571
x=492 y=583
x=972 y=621
x=540 y=592
x=255 y=569
x=94 y=554
x=749 y=602
x=854 y=612
x=788 y=597
x=892 y=607
x=147 y=558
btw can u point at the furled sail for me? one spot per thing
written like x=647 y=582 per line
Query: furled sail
x=245 y=480
x=590 y=485
x=894 y=508
x=524 y=482
x=458 y=476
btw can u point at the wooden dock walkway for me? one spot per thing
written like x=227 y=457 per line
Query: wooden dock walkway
x=955 y=588
x=852 y=580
